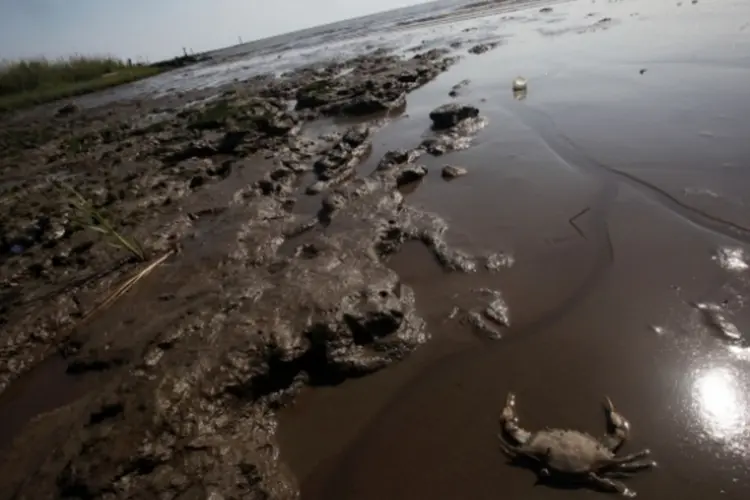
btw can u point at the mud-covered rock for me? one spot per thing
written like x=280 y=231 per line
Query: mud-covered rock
x=450 y=115
x=452 y=171
x=398 y=157
x=454 y=137
x=375 y=84
x=481 y=48
x=492 y=317
x=191 y=363
x=407 y=174
x=340 y=160
x=498 y=260
x=192 y=418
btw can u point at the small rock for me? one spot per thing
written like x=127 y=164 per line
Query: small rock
x=398 y=157
x=409 y=174
x=357 y=135
x=545 y=10
x=451 y=172
x=481 y=48
x=448 y=115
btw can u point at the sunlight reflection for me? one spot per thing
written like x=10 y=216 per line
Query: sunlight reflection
x=721 y=403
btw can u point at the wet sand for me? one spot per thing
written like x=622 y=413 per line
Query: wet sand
x=612 y=195
x=657 y=161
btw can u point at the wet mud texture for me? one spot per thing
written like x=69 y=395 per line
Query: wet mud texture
x=171 y=392
x=617 y=183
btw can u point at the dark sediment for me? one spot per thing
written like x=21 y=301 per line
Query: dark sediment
x=259 y=301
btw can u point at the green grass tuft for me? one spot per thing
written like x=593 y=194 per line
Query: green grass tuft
x=89 y=217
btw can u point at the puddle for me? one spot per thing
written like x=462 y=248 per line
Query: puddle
x=45 y=388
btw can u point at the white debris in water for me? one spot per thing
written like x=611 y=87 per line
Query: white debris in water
x=731 y=259
x=499 y=260
x=728 y=329
x=707 y=306
x=454 y=312
x=519 y=84
x=715 y=317
x=659 y=330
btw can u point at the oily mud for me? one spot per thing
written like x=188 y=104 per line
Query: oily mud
x=172 y=389
x=331 y=317
x=618 y=186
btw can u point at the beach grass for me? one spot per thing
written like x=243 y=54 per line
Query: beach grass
x=29 y=82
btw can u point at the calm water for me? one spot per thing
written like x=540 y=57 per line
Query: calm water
x=639 y=119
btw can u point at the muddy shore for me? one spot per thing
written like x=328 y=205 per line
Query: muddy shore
x=354 y=275
x=182 y=376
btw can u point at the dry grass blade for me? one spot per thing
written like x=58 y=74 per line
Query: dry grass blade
x=91 y=218
x=126 y=286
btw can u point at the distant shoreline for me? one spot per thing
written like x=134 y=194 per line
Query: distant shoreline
x=29 y=83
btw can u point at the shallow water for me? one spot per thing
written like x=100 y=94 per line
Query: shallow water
x=656 y=162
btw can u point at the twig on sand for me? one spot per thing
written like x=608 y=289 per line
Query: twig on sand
x=572 y=222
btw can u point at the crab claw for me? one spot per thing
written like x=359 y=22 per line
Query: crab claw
x=618 y=428
x=509 y=411
x=509 y=421
x=615 y=418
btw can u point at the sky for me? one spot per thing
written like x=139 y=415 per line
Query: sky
x=158 y=29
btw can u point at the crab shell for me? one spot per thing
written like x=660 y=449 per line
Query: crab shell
x=566 y=451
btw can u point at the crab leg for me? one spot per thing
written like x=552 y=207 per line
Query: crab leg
x=635 y=466
x=618 y=428
x=611 y=485
x=507 y=448
x=630 y=458
x=509 y=421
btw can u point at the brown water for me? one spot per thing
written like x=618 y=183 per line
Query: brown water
x=657 y=160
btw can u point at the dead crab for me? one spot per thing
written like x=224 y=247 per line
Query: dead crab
x=574 y=455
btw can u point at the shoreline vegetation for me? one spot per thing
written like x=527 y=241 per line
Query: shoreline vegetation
x=31 y=82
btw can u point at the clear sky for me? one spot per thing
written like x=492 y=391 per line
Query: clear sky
x=156 y=29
